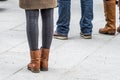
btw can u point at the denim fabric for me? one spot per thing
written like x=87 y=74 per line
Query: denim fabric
x=64 y=16
x=87 y=16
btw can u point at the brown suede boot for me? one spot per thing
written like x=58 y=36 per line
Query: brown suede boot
x=44 y=59
x=34 y=65
x=109 y=10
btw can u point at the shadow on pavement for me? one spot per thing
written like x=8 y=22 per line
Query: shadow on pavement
x=2 y=9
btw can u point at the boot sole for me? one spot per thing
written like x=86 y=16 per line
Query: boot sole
x=108 y=33
x=44 y=69
x=34 y=70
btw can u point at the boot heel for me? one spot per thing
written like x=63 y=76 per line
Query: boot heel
x=44 y=69
x=111 y=32
x=35 y=70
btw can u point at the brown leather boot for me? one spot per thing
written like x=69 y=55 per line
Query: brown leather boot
x=109 y=10
x=44 y=59
x=34 y=65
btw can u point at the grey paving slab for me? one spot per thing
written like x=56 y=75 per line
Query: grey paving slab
x=11 y=63
x=102 y=65
x=72 y=59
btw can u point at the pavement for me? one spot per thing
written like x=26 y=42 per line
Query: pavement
x=73 y=59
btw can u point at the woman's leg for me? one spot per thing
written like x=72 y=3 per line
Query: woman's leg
x=32 y=28
x=47 y=32
x=32 y=34
x=47 y=27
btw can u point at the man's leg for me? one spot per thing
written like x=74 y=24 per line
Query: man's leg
x=63 y=19
x=86 y=19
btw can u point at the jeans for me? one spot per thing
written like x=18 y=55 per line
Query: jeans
x=63 y=22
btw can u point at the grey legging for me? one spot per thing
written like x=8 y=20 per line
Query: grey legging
x=32 y=17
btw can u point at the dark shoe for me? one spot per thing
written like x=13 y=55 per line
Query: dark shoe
x=118 y=29
x=86 y=36
x=107 y=31
x=60 y=36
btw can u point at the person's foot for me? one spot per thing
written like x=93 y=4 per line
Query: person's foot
x=118 y=29
x=107 y=31
x=86 y=36
x=60 y=36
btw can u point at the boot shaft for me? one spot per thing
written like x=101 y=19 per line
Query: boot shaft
x=110 y=13
x=34 y=65
x=44 y=59
x=35 y=56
